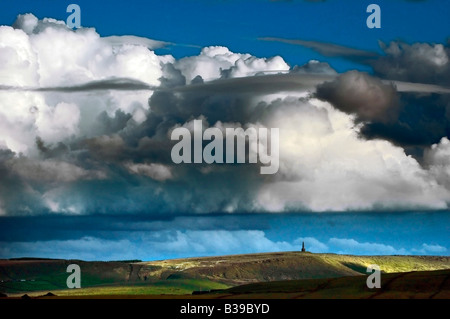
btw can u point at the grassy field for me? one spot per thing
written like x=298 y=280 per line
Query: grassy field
x=183 y=276
x=409 y=285
x=167 y=287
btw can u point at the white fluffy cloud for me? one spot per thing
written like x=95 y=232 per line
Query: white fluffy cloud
x=346 y=246
x=438 y=160
x=325 y=165
x=45 y=53
x=216 y=61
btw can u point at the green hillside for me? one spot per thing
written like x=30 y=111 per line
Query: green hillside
x=181 y=276
x=240 y=269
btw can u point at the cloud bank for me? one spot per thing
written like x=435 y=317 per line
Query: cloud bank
x=85 y=125
x=198 y=243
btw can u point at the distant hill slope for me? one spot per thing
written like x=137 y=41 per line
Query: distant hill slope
x=241 y=269
x=26 y=275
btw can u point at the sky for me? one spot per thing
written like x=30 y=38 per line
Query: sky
x=87 y=114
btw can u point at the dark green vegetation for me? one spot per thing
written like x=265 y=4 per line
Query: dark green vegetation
x=183 y=276
x=420 y=285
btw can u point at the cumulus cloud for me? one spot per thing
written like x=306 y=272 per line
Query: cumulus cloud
x=346 y=246
x=321 y=148
x=430 y=249
x=418 y=71
x=438 y=160
x=352 y=246
x=355 y=247
x=216 y=61
x=418 y=62
x=85 y=126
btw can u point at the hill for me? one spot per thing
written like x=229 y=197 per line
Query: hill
x=422 y=284
x=241 y=269
x=182 y=276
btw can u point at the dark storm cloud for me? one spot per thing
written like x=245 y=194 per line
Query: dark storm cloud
x=420 y=72
x=16 y=197
x=411 y=120
x=361 y=94
x=418 y=62
x=423 y=120
x=106 y=152
x=126 y=145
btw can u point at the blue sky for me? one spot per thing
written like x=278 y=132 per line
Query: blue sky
x=238 y=24
x=122 y=237
x=93 y=194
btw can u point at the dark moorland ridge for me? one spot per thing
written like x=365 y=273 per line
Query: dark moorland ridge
x=289 y=274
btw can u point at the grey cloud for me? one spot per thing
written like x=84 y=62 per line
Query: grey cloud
x=418 y=62
x=134 y=40
x=422 y=121
x=424 y=118
x=330 y=49
x=17 y=197
x=261 y=84
x=306 y=77
x=314 y=67
x=361 y=94
x=126 y=144
x=134 y=151
x=107 y=147
x=119 y=84
x=50 y=171
x=299 y=79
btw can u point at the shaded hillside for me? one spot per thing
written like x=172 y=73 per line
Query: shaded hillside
x=410 y=285
x=420 y=285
